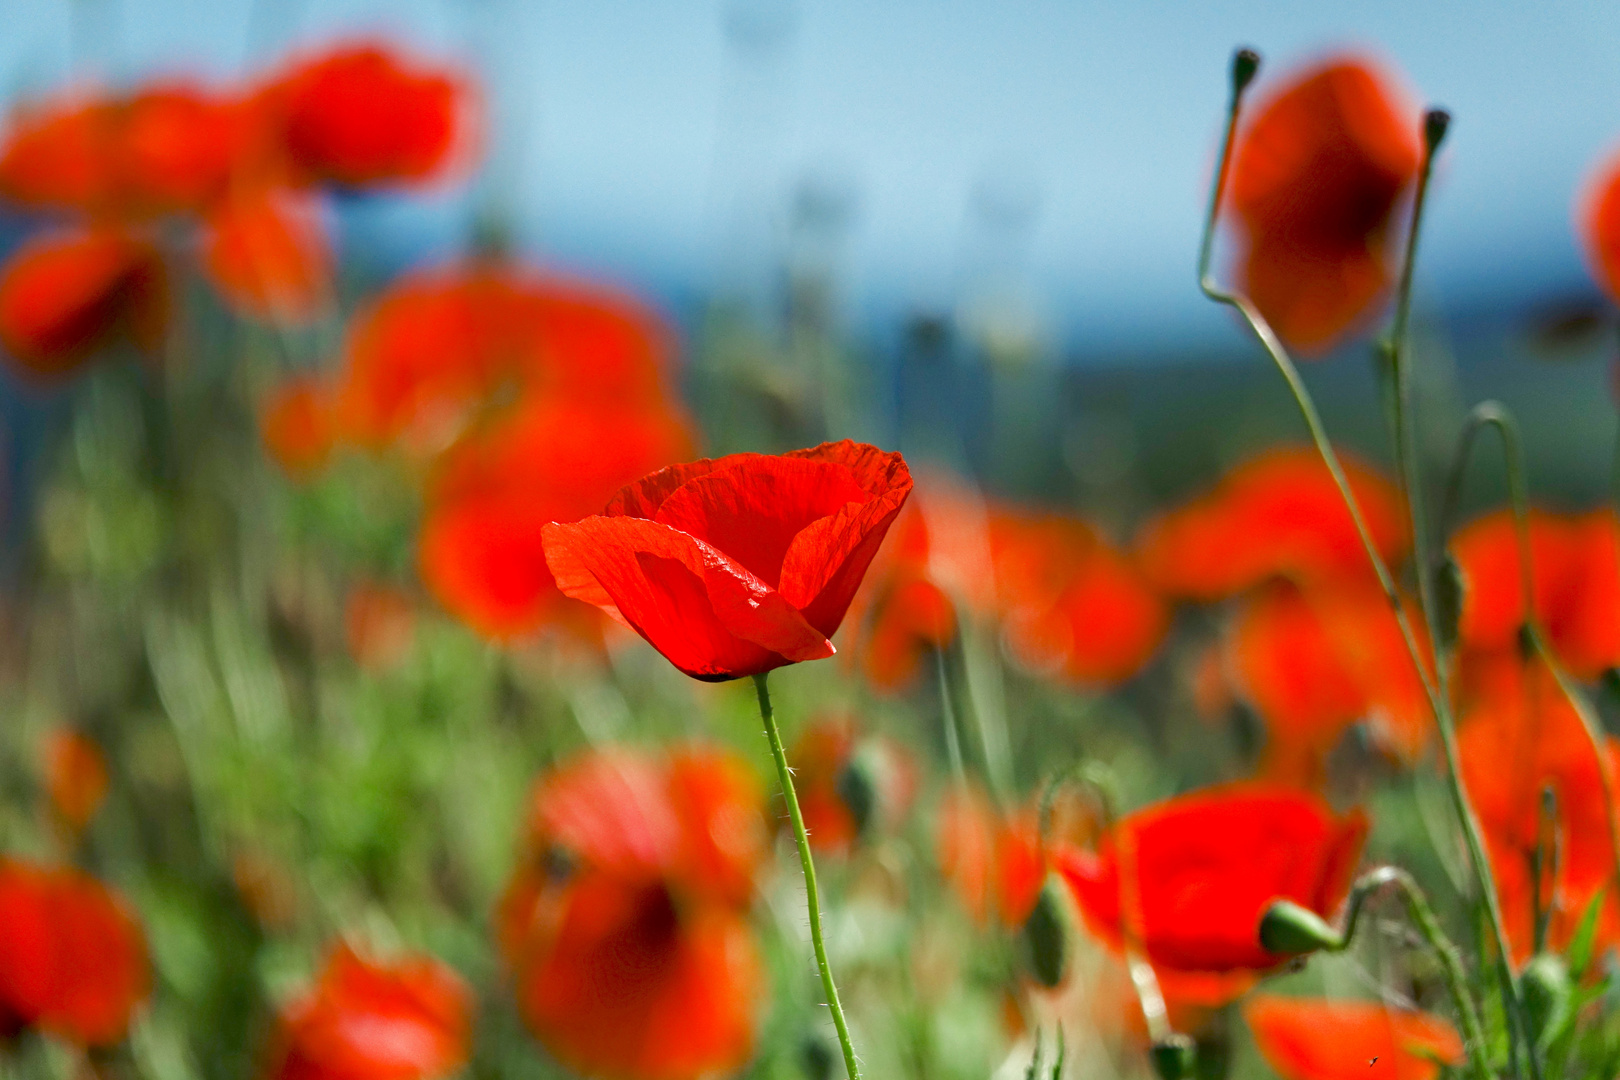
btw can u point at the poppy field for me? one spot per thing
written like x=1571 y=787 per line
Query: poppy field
x=469 y=668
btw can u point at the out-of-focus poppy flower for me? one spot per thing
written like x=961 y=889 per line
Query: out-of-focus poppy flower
x=849 y=785
x=267 y=253
x=72 y=957
x=75 y=775
x=1194 y=874
x=994 y=863
x=1597 y=214
x=1070 y=603
x=1317 y=1039
x=1278 y=514
x=66 y=294
x=434 y=351
x=365 y=114
x=408 y=1020
x=911 y=616
x=626 y=927
x=1520 y=734
x=1575 y=574
x=379 y=623
x=296 y=426
x=57 y=154
x=1312 y=662
x=481 y=551
x=178 y=146
x=1317 y=174
x=738 y=565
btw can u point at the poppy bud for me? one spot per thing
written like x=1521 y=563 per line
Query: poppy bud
x=1449 y=590
x=1245 y=65
x=1291 y=930
x=1547 y=989
x=1049 y=930
x=1174 y=1057
x=1435 y=124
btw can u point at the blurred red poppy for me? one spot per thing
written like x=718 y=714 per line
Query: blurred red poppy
x=995 y=863
x=296 y=426
x=1071 y=604
x=1278 y=514
x=849 y=785
x=267 y=253
x=1575 y=568
x=1312 y=662
x=738 y=565
x=492 y=494
x=72 y=956
x=75 y=776
x=1194 y=874
x=439 y=347
x=178 y=146
x=911 y=616
x=57 y=153
x=1317 y=175
x=626 y=927
x=67 y=293
x=365 y=114
x=1317 y=1039
x=1519 y=735
x=408 y=1020
x=379 y=624
x=1597 y=222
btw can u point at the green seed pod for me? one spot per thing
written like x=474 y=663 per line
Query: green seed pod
x=1049 y=932
x=1288 y=929
x=1449 y=590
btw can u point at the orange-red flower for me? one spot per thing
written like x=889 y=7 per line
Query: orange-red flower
x=1597 y=220
x=626 y=926
x=67 y=293
x=738 y=565
x=72 y=956
x=363 y=114
x=1575 y=568
x=1317 y=1039
x=1278 y=514
x=296 y=426
x=1314 y=661
x=1317 y=175
x=267 y=253
x=75 y=776
x=1189 y=878
x=1520 y=734
x=995 y=863
x=408 y=1020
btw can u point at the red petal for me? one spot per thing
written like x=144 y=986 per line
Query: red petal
x=268 y=255
x=1310 y=1039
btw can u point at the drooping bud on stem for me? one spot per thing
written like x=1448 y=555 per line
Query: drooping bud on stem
x=1245 y=64
x=1435 y=124
x=1288 y=929
x=1174 y=1057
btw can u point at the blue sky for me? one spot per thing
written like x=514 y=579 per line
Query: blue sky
x=1102 y=116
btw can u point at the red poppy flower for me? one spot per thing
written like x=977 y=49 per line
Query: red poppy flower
x=267 y=253
x=1315 y=1039
x=1205 y=866
x=994 y=863
x=429 y=354
x=58 y=154
x=1317 y=174
x=738 y=565
x=379 y=624
x=1598 y=224
x=408 y=1020
x=365 y=114
x=178 y=146
x=72 y=957
x=66 y=294
x=1071 y=604
x=911 y=616
x=75 y=776
x=296 y=426
x=1575 y=567
x=481 y=551
x=627 y=927
x=1278 y=514
x=1312 y=662
x=1519 y=734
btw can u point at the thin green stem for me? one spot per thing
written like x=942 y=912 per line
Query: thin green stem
x=811 y=896
x=1243 y=69
x=1451 y=967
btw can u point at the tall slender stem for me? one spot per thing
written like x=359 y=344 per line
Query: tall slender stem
x=811 y=896
x=1244 y=65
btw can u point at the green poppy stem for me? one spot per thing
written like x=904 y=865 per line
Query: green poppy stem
x=811 y=895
